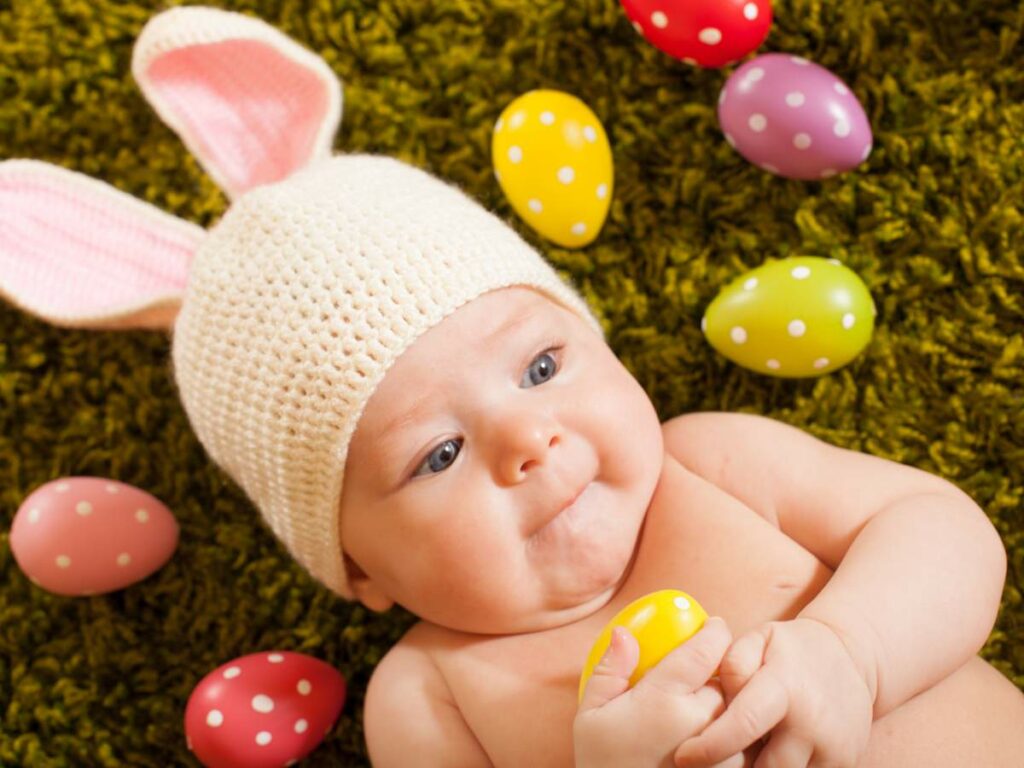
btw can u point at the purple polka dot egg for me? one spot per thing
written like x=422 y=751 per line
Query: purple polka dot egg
x=793 y=118
x=81 y=536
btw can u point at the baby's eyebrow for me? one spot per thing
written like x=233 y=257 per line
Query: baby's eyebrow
x=482 y=343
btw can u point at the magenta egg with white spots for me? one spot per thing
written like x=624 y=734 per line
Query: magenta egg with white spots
x=793 y=118
x=81 y=536
x=263 y=710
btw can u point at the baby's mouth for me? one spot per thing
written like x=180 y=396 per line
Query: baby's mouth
x=567 y=510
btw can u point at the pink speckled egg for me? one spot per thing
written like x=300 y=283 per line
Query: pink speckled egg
x=793 y=118
x=263 y=710
x=82 y=536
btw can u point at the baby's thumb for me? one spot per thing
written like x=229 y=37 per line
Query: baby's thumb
x=611 y=675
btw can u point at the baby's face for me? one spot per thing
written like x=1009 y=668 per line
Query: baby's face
x=467 y=452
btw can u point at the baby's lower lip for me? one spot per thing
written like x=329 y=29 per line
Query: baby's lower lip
x=569 y=508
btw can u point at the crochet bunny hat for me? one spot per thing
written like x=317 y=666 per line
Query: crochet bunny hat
x=290 y=310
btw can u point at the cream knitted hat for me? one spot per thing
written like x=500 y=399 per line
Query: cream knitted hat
x=287 y=314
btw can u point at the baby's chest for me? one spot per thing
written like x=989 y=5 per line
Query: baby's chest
x=518 y=693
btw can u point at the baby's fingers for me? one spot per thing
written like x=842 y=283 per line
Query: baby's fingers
x=611 y=675
x=758 y=708
x=688 y=667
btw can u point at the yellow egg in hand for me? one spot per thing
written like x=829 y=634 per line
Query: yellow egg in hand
x=660 y=621
x=553 y=162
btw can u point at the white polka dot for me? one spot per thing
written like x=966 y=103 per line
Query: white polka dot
x=773 y=364
x=841 y=128
x=535 y=205
x=849 y=320
x=800 y=60
x=692 y=62
x=499 y=125
x=214 y=718
x=738 y=334
x=304 y=687
x=142 y=515
x=802 y=140
x=731 y=140
x=63 y=487
x=83 y=508
x=750 y=11
x=797 y=328
x=262 y=703
x=801 y=273
x=750 y=284
x=865 y=153
x=755 y=74
x=124 y=559
x=834 y=261
x=589 y=133
x=517 y=119
x=515 y=153
x=828 y=173
x=841 y=89
x=275 y=658
x=602 y=191
x=757 y=122
x=566 y=174
x=769 y=167
x=579 y=228
x=497 y=174
x=301 y=726
x=704 y=325
x=721 y=97
x=548 y=118
x=659 y=19
x=63 y=561
x=795 y=99
x=33 y=515
x=111 y=488
x=638 y=27
x=681 y=603
x=263 y=738
x=232 y=672
x=821 y=362
x=710 y=36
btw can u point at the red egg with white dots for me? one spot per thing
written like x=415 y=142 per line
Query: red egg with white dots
x=264 y=710
x=708 y=33
x=81 y=536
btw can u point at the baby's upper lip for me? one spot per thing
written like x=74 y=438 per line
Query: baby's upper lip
x=565 y=504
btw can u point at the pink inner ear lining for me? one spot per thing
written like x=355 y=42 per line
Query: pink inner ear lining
x=246 y=109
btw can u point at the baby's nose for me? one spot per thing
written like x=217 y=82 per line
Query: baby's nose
x=526 y=443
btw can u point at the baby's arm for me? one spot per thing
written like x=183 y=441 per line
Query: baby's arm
x=919 y=569
x=410 y=718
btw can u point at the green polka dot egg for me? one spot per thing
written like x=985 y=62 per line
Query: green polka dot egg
x=553 y=162
x=792 y=318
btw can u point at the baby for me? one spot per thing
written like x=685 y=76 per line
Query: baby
x=426 y=414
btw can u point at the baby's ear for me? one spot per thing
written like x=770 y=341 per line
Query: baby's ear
x=250 y=103
x=79 y=252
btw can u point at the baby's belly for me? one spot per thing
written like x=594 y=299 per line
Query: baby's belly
x=518 y=693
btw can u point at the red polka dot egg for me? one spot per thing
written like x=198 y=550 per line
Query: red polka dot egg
x=793 y=118
x=709 y=33
x=81 y=536
x=264 y=710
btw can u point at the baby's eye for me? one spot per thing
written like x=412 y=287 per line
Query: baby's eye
x=541 y=369
x=441 y=457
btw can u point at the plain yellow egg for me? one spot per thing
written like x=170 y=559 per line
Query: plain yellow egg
x=553 y=162
x=660 y=621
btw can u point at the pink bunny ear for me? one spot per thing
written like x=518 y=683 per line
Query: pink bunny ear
x=80 y=253
x=251 y=104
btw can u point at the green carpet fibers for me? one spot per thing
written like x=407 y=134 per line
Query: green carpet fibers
x=932 y=223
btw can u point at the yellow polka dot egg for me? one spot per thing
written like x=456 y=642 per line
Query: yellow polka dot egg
x=792 y=318
x=660 y=621
x=553 y=162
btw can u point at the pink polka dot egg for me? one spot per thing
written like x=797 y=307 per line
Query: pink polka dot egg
x=793 y=118
x=263 y=710
x=81 y=536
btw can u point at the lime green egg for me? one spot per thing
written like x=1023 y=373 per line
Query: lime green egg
x=792 y=318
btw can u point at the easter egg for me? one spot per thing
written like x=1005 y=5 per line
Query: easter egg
x=552 y=160
x=793 y=118
x=793 y=318
x=710 y=33
x=81 y=536
x=263 y=710
x=660 y=621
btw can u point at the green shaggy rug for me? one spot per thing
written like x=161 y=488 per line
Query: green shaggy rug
x=932 y=223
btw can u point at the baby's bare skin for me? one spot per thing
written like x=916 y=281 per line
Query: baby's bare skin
x=513 y=594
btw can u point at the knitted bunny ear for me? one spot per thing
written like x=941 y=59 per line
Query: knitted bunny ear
x=79 y=252
x=251 y=104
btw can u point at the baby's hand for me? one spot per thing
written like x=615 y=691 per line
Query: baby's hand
x=796 y=677
x=641 y=727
